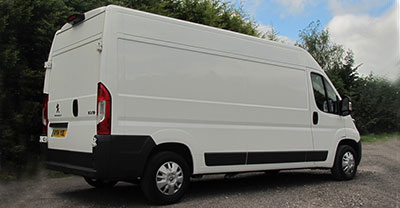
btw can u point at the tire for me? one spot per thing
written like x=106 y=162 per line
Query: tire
x=98 y=183
x=345 y=165
x=171 y=184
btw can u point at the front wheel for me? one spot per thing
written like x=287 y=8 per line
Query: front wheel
x=345 y=165
x=166 y=178
x=98 y=183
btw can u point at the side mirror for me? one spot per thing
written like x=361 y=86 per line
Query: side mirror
x=345 y=106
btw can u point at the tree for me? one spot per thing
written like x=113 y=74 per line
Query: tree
x=334 y=60
x=271 y=34
x=377 y=107
x=317 y=42
x=345 y=76
x=25 y=36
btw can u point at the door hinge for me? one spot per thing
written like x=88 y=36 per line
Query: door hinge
x=47 y=65
x=99 y=46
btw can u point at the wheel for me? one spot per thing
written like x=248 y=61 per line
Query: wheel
x=345 y=166
x=166 y=178
x=98 y=183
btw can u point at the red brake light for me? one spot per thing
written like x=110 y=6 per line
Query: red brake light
x=103 y=110
x=45 y=115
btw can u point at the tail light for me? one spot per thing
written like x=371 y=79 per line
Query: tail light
x=103 y=110
x=45 y=115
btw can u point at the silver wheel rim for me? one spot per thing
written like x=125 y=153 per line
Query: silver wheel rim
x=169 y=178
x=348 y=163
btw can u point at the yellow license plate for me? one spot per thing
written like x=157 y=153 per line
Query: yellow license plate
x=59 y=132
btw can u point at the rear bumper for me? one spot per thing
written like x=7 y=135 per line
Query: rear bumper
x=72 y=169
x=115 y=157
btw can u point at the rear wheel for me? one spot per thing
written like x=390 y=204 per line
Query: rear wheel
x=166 y=178
x=345 y=165
x=98 y=183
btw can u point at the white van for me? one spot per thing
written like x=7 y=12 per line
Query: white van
x=137 y=97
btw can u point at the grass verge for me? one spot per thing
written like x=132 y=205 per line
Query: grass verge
x=380 y=137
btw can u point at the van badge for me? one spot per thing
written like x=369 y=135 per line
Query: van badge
x=58 y=108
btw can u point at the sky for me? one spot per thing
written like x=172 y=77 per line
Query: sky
x=370 y=28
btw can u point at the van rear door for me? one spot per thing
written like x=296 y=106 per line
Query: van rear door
x=72 y=84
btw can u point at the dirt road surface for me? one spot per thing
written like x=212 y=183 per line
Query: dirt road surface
x=377 y=184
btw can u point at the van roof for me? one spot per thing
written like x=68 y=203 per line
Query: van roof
x=310 y=61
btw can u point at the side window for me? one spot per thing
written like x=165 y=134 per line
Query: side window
x=325 y=97
x=332 y=98
x=319 y=92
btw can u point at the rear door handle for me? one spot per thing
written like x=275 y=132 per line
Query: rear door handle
x=75 y=107
x=315 y=118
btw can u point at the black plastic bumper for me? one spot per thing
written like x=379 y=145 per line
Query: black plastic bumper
x=359 y=152
x=114 y=157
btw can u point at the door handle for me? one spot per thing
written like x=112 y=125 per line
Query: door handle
x=75 y=107
x=315 y=118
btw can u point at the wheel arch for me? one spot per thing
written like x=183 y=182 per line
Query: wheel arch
x=355 y=145
x=178 y=148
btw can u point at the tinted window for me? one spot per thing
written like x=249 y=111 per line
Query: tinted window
x=319 y=92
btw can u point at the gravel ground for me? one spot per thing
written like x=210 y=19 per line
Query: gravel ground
x=377 y=184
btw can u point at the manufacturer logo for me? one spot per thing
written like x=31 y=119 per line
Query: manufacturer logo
x=58 y=108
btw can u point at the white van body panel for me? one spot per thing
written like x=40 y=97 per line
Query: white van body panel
x=212 y=90
x=224 y=97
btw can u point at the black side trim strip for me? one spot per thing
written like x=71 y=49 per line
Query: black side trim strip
x=234 y=158
x=59 y=125
x=316 y=156
x=239 y=158
x=275 y=157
